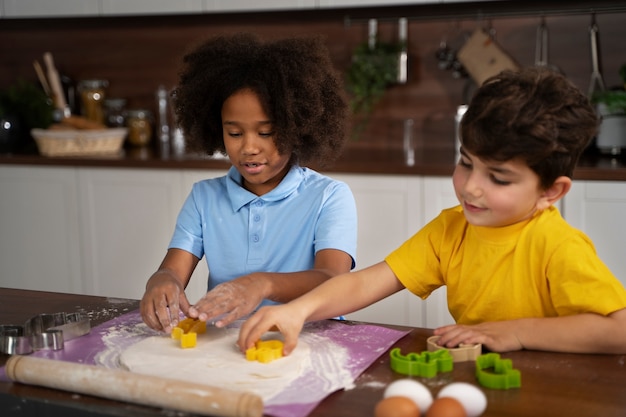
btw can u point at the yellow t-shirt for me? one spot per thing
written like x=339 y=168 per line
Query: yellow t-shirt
x=542 y=267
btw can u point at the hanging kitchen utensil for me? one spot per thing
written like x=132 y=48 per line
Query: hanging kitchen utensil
x=596 y=75
x=482 y=57
x=403 y=56
x=372 y=33
x=446 y=54
x=541 y=46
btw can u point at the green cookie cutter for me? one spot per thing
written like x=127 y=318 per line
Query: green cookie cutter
x=503 y=375
x=425 y=364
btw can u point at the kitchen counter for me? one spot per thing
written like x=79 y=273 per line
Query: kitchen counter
x=553 y=384
x=428 y=162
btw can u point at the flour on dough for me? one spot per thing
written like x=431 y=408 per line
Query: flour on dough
x=218 y=362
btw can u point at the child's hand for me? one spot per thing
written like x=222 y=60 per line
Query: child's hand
x=163 y=301
x=229 y=301
x=282 y=318
x=497 y=336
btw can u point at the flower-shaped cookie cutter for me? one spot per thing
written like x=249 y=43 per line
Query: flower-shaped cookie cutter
x=265 y=351
x=43 y=331
x=462 y=353
x=425 y=364
x=503 y=375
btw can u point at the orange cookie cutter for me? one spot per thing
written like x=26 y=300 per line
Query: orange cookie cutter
x=265 y=351
x=463 y=353
x=187 y=332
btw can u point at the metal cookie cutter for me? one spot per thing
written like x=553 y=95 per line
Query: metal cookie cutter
x=44 y=331
x=463 y=353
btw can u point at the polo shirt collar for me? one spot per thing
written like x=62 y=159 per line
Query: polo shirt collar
x=239 y=196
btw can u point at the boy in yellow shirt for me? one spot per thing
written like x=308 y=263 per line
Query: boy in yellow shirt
x=518 y=276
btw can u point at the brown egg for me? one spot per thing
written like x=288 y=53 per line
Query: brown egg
x=446 y=407
x=396 y=407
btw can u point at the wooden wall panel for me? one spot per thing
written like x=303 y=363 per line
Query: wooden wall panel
x=136 y=54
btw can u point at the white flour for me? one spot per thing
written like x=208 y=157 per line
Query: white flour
x=316 y=368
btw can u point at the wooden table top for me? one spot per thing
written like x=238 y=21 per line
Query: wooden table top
x=553 y=384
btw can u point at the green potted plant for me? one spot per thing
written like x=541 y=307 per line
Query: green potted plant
x=611 y=106
x=611 y=102
x=375 y=66
x=373 y=69
x=23 y=106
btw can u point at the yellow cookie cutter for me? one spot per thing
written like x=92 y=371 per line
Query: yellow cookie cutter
x=187 y=332
x=463 y=353
x=265 y=351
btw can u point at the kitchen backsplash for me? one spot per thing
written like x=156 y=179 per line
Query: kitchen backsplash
x=137 y=54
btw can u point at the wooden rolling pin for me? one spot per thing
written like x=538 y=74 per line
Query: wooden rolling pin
x=120 y=385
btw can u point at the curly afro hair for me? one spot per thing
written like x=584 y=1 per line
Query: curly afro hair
x=297 y=86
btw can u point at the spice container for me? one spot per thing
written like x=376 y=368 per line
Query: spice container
x=92 y=94
x=139 y=123
x=114 y=112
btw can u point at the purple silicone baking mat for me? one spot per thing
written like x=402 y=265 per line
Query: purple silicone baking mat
x=362 y=343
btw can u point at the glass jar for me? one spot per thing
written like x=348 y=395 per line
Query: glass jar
x=114 y=112
x=92 y=94
x=139 y=123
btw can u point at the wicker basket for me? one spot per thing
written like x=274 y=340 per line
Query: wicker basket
x=79 y=142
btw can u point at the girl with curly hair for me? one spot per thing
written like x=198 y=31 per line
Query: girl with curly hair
x=271 y=229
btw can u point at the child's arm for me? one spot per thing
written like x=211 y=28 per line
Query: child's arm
x=581 y=333
x=239 y=297
x=340 y=295
x=165 y=291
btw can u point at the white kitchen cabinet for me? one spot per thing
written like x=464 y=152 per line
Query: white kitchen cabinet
x=248 y=5
x=150 y=7
x=103 y=231
x=126 y=219
x=466 y=1
x=371 y=3
x=51 y=8
x=39 y=230
x=388 y=210
x=438 y=195
x=597 y=208
x=392 y=208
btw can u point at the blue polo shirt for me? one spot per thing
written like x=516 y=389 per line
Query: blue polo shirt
x=239 y=232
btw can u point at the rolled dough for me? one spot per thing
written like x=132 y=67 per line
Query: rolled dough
x=217 y=361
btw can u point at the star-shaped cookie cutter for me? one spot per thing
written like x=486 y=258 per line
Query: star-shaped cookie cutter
x=425 y=364
x=43 y=331
x=462 y=353
x=503 y=375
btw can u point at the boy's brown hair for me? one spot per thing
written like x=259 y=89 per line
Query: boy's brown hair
x=534 y=114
